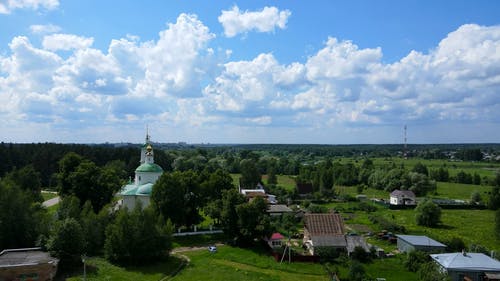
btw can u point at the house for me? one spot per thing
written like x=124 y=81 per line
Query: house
x=467 y=266
x=276 y=240
x=278 y=210
x=403 y=197
x=27 y=264
x=146 y=176
x=259 y=191
x=324 y=230
x=408 y=243
x=304 y=189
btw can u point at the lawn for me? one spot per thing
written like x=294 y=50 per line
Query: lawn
x=231 y=263
x=99 y=269
x=48 y=195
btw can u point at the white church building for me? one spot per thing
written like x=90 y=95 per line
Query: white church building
x=145 y=177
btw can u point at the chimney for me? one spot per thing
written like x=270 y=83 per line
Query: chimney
x=464 y=253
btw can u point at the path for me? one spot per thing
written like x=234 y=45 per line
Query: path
x=51 y=202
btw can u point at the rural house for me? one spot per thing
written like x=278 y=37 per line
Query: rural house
x=467 y=266
x=403 y=197
x=27 y=264
x=324 y=230
x=408 y=243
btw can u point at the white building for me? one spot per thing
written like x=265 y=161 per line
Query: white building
x=403 y=197
x=145 y=177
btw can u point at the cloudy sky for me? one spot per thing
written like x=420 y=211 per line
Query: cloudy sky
x=330 y=72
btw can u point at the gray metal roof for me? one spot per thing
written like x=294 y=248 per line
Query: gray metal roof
x=25 y=256
x=278 y=209
x=329 y=241
x=467 y=261
x=418 y=240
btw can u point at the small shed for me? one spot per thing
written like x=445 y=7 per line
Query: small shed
x=408 y=243
x=278 y=210
x=27 y=264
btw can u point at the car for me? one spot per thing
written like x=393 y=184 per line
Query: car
x=212 y=249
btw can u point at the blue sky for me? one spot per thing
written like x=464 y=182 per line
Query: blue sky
x=251 y=72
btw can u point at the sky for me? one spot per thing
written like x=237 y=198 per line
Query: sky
x=325 y=72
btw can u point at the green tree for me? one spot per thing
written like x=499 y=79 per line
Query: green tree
x=415 y=259
x=67 y=165
x=356 y=271
x=430 y=272
x=475 y=197
x=420 y=184
x=69 y=207
x=497 y=224
x=137 y=236
x=250 y=175
x=176 y=196
x=494 y=202
x=28 y=179
x=67 y=241
x=253 y=220
x=93 y=227
x=216 y=182
x=22 y=220
x=420 y=168
x=229 y=217
x=428 y=213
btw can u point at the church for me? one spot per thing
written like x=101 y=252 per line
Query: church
x=145 y=177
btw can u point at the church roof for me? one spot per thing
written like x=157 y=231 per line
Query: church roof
x=149 y=168
x=132 y=189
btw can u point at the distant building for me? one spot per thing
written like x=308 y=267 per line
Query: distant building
x=27 y=264
x=324 y=230
x=403 y=197
x=408 y=243
x=468 y=266
x=278 y=209
x=258 y=191
x=146 y=176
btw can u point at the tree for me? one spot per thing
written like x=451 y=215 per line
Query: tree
x=93 y=227
x=421 y=169
x=28 y=179
x=137 y=236
x=420 y=184
x=67 y=165
x=22 y=220
x=67 y=241
x=250 y=175
x=475 y=197
x=216 y=182
x=428 y=213
x=455 y=244
x=253 y=221
x=414 y=260
x=356 y=271
x=431 y=272
x=497 y=224
x=176 y=196
x=494 y=202
x=229 y=217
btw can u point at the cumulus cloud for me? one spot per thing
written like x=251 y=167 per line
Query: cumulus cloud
x=66 y=42
x=268 y=19
x=8 y=6
x=44 y=28
x=179 y=79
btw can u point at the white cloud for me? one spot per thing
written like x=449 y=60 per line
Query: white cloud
x=44 y=28
x=66 y=42
x=8 y=6
x=268 y=19
x=179 y=80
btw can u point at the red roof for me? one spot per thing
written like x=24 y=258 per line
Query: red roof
x=277 y=236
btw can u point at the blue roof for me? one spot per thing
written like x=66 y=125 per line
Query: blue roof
x=467 y=261
x=417 y=240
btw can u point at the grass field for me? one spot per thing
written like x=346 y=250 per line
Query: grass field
x=99 y=269
x=48 y=195
x=242 y=264
x=283 y=180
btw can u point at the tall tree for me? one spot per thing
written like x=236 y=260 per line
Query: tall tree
x=176 y=196
x=428 y=213
x=67 y=241
x=250 y=175
x=253 y=221
x=229 y=217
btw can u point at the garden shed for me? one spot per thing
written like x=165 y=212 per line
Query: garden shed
x=408 y=243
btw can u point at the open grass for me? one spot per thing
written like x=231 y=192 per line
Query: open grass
x=98 y=269
x=48 y=195
x=231 y=263
x=285 y=181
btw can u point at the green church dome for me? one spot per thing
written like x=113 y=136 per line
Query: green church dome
x=149 y=168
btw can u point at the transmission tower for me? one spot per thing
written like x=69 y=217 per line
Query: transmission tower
x=405 y=151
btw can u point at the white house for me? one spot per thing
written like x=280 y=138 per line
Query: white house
x=145 y=177
x=403 y=197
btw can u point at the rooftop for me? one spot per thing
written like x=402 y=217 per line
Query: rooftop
x=25 y=256
x=320 y=224
x=418 y=240
x=467 y=261
x=407 y=193
x=149 y=168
